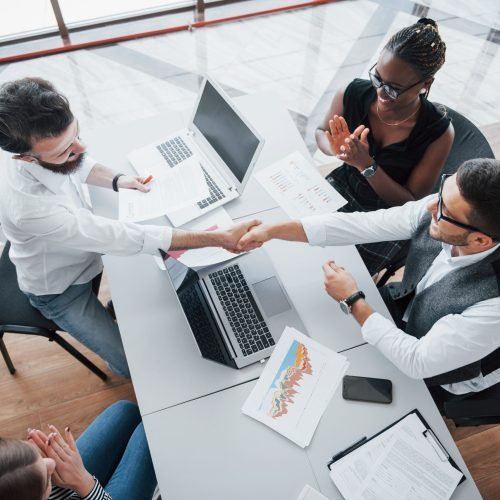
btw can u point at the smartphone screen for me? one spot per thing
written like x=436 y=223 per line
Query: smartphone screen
x=376 y=390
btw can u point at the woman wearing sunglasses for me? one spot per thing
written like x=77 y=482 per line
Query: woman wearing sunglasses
x=393 y=141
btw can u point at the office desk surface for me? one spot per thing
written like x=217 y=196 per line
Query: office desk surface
x=164 y=360
x=165 y=364
x=208 y=449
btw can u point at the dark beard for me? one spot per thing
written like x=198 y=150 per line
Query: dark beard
x=66 y=168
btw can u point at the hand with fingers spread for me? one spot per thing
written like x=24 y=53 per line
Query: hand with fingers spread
x=339 y=284
x=70 y=471
x=339 y=132
x=356 y=151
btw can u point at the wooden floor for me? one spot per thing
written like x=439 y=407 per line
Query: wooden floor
x=50 y=387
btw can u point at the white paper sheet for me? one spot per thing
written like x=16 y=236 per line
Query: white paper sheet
x=296 y=386
x=399 y=463
x=203 y=257
x=309 y=493
x=178 y=187
x=298 y=187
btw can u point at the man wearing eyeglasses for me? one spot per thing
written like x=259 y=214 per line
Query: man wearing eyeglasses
x=446 y=309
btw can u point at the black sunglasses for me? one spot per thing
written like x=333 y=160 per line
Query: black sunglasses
x=391 y=92
x=440 y=215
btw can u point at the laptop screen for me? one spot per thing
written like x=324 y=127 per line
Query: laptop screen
x=226 y=132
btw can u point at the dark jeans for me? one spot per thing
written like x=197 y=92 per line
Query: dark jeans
x=114 y=449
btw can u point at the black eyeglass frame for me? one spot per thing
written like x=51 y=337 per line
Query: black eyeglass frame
x=377 y=82
x=440 y=216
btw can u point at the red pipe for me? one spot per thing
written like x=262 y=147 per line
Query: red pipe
x=200 y=24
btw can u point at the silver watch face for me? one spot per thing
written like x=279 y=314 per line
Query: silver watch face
x=344 y=307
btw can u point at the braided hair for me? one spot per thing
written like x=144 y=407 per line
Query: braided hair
x=421 y=46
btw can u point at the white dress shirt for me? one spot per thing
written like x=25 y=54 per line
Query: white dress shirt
x=454 y=340
x=56 y=240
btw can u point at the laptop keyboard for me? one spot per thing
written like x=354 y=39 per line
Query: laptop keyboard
x=241 y=310
x=176 y=150
x=215 y=192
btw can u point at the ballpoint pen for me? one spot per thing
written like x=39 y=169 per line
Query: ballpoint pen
x=346 y=451
x=147 y=179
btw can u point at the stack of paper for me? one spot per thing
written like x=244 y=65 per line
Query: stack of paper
x=404 y=462
x=296 y=386
x=177 y=187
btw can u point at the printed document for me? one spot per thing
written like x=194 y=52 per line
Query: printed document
x=404 y=462
x=296 y=386
x=177 y=187
x=299 y=188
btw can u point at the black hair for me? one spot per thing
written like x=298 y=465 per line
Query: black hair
x=31 y=109
x=479 y=183
x=421 y=46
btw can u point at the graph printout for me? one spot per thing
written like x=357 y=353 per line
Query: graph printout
x=296 y=386
x=299 y=188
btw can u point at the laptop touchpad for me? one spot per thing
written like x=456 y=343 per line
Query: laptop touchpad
x=271 y=296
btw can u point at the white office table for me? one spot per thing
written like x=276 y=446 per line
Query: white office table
x=164 y=361
x=207 y=449
x=202 y=446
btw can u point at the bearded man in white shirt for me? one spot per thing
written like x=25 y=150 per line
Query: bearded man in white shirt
x=446 y=309
x=56 y=240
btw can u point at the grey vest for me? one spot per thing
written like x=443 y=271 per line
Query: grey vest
x=454 y=293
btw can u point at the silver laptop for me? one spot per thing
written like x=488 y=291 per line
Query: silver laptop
x=237 y=311
x=219 y=136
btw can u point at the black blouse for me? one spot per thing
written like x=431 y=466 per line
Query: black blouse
x=398 y=159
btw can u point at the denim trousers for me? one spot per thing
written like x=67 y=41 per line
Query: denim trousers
x=79 y=312
x=114 y=449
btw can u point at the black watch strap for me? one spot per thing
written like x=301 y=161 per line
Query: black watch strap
x=115 y=181
x=354 y=297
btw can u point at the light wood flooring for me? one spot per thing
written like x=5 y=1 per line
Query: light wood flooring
x=50 y=387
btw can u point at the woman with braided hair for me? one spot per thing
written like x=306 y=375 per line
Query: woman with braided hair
x=393 y=141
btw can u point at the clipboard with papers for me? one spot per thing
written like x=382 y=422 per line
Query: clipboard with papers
x=404 y=460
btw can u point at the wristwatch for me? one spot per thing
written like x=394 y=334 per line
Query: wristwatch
x=370 y=170
x=346 y=304
x=114 y=182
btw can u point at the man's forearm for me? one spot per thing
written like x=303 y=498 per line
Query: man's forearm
x=361 y=311
x=182 y=240
x=101 y=176
x=290 y=231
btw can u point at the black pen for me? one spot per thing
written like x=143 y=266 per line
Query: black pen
x=346 y=451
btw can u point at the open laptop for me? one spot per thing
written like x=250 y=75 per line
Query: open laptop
x=219 y=136
x=237 y=311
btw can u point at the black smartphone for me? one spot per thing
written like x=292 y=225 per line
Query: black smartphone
x=374 y=390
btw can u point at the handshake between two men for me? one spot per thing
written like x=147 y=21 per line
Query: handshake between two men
x=252 y=234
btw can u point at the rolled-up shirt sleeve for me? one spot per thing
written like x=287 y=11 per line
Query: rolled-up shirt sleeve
x=453 y=341
x=338 y=228
x=87 y=165
x=82 y=230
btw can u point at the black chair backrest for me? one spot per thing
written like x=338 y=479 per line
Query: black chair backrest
x=469 y=143
x=15 y=308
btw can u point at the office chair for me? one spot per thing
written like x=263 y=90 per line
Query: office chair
x=480 y=408
x=469 y=143
x=17 y=315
